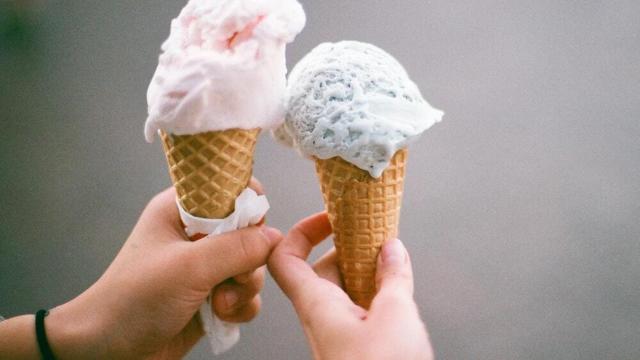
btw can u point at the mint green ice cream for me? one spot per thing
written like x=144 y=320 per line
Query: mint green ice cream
x=353 y=100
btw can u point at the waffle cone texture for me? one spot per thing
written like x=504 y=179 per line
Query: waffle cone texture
x=210 y=170
x=364 y=213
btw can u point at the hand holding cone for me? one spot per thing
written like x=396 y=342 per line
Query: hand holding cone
x=364 y=213
x=353 y=108
x=209 y=170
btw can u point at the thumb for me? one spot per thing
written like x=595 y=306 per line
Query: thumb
x=394 y=278
x=223 y=256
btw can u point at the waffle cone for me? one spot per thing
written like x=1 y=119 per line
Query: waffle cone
x=209 y=170
x=364 y=213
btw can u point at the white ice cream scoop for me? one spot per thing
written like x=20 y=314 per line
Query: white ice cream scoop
x=353 y=100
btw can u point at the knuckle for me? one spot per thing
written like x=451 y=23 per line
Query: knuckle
x=243 y=278
x=256 y=185
x=155 y=201
x=395 y=299
x=259 y=275
x=218 y=304
x=396 y=275
x=254 y=245
x=159 y=199
x=257 y=282
x=245 y=313
x=403 y=275
x=246 y=245
x=298 y=231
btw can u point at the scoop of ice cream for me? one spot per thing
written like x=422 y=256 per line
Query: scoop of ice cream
x=355 y=101
x=223 y=67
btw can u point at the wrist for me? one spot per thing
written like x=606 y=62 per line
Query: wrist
x=75 y=330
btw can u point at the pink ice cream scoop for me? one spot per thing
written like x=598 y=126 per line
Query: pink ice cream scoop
x=223 y=67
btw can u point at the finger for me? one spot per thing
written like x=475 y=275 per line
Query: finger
x=254 y=279
x=327 y=267
x=308 y=233
x=161 y=215
x=230 y=295
x=288 y=263
x=242 y=278
x=256 y=185
x=314 y=298
x=393 y=272
x=394 y=281
x=245 y=277
x=244 y=313
x=216 y=258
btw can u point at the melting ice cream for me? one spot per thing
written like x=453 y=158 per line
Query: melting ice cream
x=355 y=101
x=223 y=67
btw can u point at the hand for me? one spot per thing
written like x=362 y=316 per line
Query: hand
x=145 y=304
x=335 y=327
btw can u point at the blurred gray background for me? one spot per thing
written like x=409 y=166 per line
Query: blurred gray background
x=522 y=209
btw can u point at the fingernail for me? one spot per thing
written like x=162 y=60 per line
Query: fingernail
x=393 y=253
x=231 y=298
x=274 y=235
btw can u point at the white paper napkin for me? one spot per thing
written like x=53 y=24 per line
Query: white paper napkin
x=250 y=208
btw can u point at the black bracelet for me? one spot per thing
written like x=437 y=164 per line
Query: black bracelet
x=41 y=335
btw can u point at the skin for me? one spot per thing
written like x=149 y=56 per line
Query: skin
x=335 y=327
x=145 y=305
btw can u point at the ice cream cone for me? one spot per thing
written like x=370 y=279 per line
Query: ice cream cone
x=209 y=170
x=364 y=213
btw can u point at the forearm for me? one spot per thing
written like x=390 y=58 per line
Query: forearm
x=18 y=338
x=70 y=331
